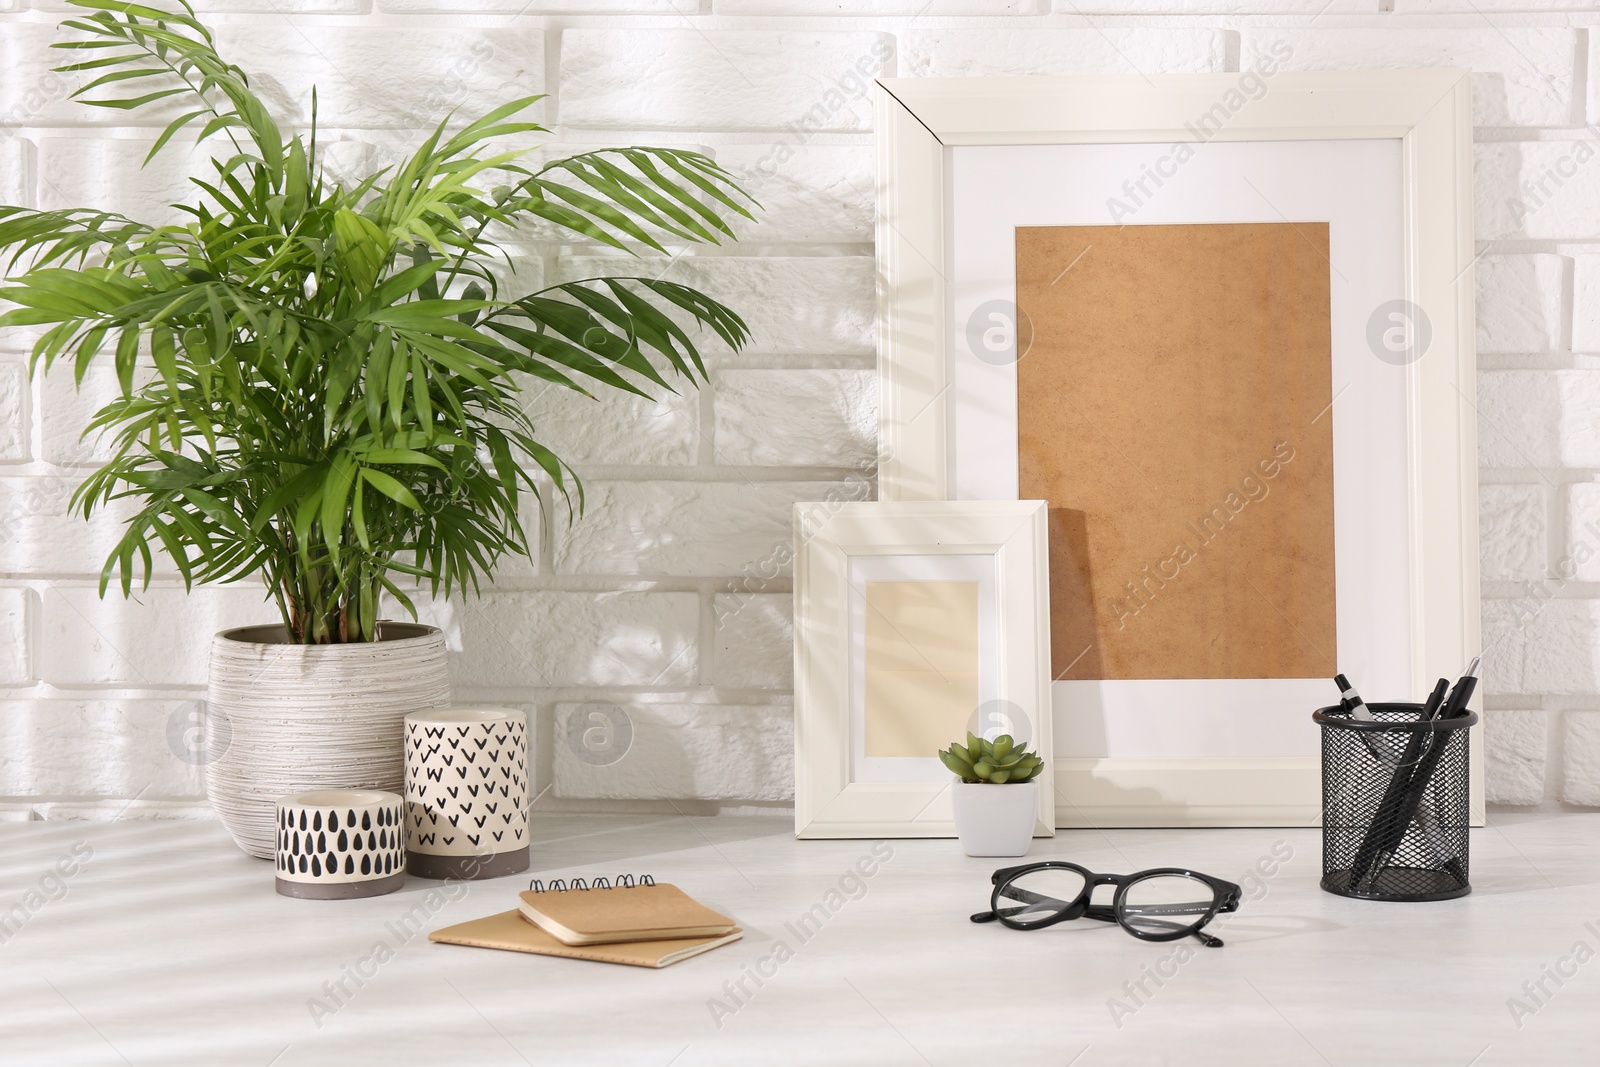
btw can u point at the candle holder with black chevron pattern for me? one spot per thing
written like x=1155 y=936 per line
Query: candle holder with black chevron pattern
x=466 y=812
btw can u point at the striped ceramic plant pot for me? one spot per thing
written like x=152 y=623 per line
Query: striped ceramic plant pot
x=283 y=718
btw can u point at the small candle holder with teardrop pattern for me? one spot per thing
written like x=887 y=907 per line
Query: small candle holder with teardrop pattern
x=339 y=844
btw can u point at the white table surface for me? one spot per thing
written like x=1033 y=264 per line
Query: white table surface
x=169 y=947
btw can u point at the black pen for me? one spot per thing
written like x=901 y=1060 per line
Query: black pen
x=1351 y=699
x=1386 y=752
x=1411 y=800
x=1457 y=703
x=1377 y=744
x=1375 y=845
x=1436 y=700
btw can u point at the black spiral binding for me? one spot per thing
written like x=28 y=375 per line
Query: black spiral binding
x=560 y=885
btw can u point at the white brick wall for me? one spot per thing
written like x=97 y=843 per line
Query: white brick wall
x=158 y=639
x=37 y=535
x=1511 y=528
x=962 y=52
x=798 y=306
x=521 y=7
x=1523 y=77
x=1586 y=304
x=691 y=529
x=1538 y=418
x=616 y=427
x=16 y=642
x=1519 y=303
x=830 y=418
x=755 y=640
x=877 y=7
x=1534 y=645
x=671 y=599
x=684 y=750
x=363 y=81
x=1538 y=190
x=93 y=748
x=65 y=407
x=1516 y=745
x=15 y=158
x=80 y=170
x=1580 y=777
x=13 y=412
x=732 y=79
x=817 y=194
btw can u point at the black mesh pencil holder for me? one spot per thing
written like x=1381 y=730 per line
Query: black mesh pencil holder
x=1394 y=804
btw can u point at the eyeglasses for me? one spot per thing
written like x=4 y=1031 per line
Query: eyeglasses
x=1161 y=904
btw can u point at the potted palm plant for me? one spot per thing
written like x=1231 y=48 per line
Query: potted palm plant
x=319 y=382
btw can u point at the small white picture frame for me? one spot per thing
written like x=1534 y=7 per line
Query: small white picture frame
x=991 y=556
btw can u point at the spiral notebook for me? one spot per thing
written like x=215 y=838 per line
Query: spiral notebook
x=512 y=932
x=629 y=921
x=605 y=913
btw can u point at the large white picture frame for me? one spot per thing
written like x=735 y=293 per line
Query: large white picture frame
x=997 y=545
x=1428 y=113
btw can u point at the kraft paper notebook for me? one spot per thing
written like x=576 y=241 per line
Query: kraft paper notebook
x=512 y=932
x=609 y=914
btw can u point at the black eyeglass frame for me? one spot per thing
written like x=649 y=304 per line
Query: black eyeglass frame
x=1225 y=896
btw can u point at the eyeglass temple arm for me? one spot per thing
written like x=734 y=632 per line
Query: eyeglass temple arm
x=1107 y=914
x=1006 y=872
x=1164 y=909
x=1026 y=896
x=1146 y=911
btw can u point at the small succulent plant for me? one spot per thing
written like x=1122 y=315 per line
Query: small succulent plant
x=997 y=762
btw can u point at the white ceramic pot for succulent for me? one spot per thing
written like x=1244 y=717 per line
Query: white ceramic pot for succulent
x=283 y=718
x=995 y=820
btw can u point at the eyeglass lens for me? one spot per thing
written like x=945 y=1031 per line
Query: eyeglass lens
x=1166 y=903
x=1040 y=894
